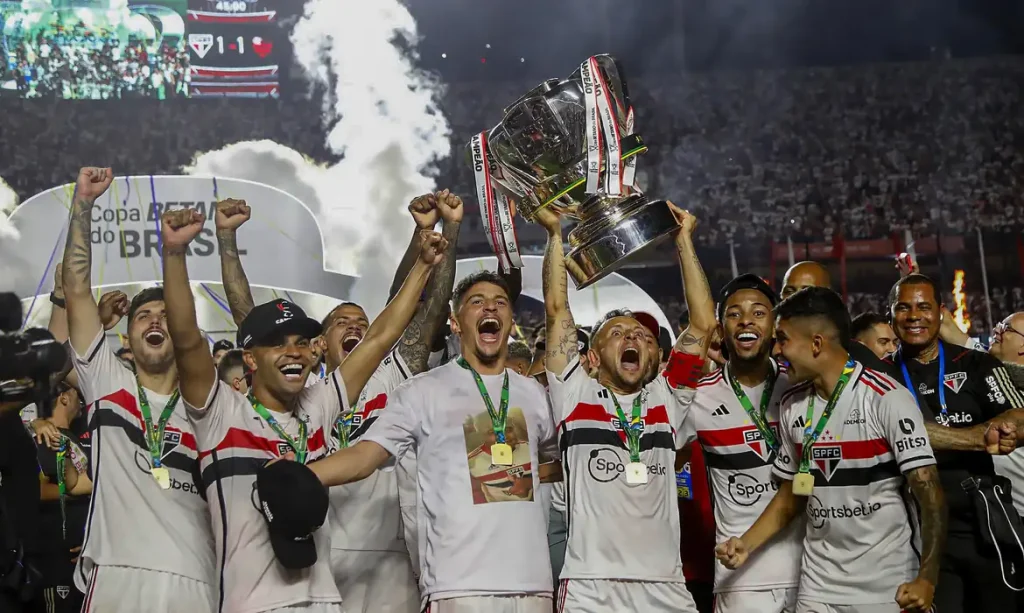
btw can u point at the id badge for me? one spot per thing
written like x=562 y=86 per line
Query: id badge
x=684 y=483
x=636 y=473
x=803 y=484
x=501 y=454
x=162 y=476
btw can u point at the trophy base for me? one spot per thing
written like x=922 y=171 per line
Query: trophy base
x=599 y=253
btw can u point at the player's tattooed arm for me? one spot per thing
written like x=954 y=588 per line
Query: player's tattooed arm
x=696 y=339
x=432 y=314
x=562 y=347
x=231 y=214
x=82 y=311
x=924 y=484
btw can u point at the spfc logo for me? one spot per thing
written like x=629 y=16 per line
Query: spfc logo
x=63 y=591
x=200 y=43
x=283 y=448
x=954 y=381
x=755 y=440
x=827 y=458
x=171 y=442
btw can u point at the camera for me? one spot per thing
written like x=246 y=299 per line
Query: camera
x=28 y=359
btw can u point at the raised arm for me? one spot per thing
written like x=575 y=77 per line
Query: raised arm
x=561 y=346
x=231 y=214
x=430 y=316
x=696 y=339
x=82 y=312
x=388 y=327
x=196 y=372
x=424 y=212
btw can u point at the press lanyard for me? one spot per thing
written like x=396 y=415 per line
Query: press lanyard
x=298 y=446
x=758 y=418
x=633 y=428
x=943 y=418
x=499 y=417
x=811 y=435
x=154 y=432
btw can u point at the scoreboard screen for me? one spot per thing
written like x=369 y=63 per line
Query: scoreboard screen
x=232 y=48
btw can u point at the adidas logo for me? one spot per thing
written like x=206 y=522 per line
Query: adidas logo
x=721 y=410
x=799 y=422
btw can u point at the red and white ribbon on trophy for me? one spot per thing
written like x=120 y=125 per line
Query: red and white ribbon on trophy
x=603 y=138
x=495 y=207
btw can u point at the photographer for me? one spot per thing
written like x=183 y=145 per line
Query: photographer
x=19 y=508
x=971 y=411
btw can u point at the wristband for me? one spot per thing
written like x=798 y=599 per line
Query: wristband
x=683 y=369
x=57 y=301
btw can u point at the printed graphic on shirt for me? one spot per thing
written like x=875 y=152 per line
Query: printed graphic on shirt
x=499 y=483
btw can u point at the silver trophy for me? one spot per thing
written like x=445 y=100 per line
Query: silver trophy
x=570 y=145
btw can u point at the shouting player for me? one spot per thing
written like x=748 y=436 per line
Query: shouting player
x=851 y=438
x=148 y=532
x=260 y=570
x=735 y=417
x=619 y=440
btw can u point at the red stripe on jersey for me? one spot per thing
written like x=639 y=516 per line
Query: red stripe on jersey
x=873 y=386
x=728 y=437
x=373 y=404
x=854 y=450
x=595 y=412
x=237 y=438
x=711 y=379
x=883 y=380
x=127 y=401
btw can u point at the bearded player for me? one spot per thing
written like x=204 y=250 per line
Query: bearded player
x=148 y=531
x=619 y=440
x=735 y=418
x=281 y=414
x=373 y=565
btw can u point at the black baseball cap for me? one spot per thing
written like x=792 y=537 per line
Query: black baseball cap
x=294 y=504
x=223 y=345
x=275 y=318
x=745 y=281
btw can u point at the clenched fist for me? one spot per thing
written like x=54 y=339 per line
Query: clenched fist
x=732 y=553
x=181 y=226
x=424 y=211
x=93 y=182
x=449 y=206
x=113 y=306
x=432 y=246
x=231 y=214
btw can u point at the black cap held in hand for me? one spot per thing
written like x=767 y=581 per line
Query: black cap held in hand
x=275 y=318
x=294 y=504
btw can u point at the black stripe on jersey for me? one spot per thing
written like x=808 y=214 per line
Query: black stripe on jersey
x=563 y=446
x=94 y=466
x=793 y=390
x=101 y=345
x=746 y=460
x=885 y=385
x=175 y=459
x=571 y=370
x=783 y=470
x=222 y=468
x=610 y=438
x=850 y=477
x=214 y=461
x=398 y=364
x=342 y=401
x=916 y=458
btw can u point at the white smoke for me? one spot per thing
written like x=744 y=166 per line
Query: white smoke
x=12 y=265
x=389 y=130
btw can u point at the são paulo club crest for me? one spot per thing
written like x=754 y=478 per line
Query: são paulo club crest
x=827 y=458
x=755 y=440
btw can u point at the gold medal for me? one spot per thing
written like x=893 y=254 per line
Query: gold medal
x=803 y=484
x=636 y=473
x=501 y=454
x=162 y=477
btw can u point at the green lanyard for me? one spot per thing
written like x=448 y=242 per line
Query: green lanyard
x=499 y=417
x=758 y=418
x=154 y=432
x=298 y=446
x=345 y=428
x=61 y=486
x=633 y=428
x=811 y=436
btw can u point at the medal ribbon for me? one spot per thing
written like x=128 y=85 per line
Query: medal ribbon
x=298 y=446
x=943 y=418
x=154 y=432
x=499 y=417
x=345 y=428
x=811 y=436
x=62 y=486
x=758 y=418
x=632 y=427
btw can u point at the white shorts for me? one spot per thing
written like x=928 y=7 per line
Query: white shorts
x=313 y=607
x=123 y=589
x=612 y=596
x=375 y=581
x=806 y=606
x=491 y=604
x=780 y=600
